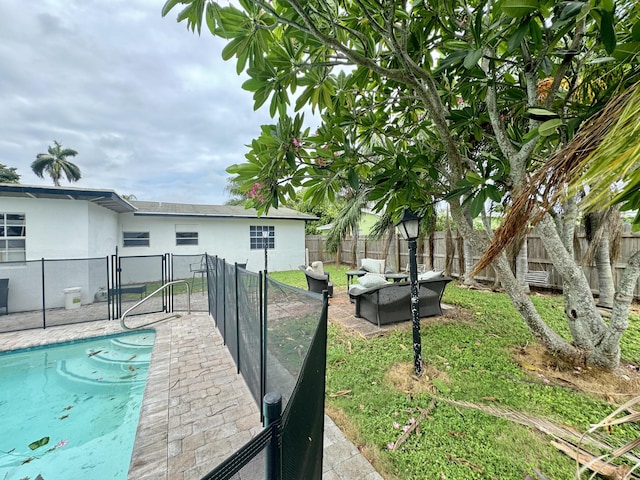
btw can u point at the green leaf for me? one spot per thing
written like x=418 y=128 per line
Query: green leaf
x=625 y=52
x=571 y=9
x=353 y=179
x=535 y=33
x=474 y=179
x=519 y=8
x=607 y=31
x=472 y=58
x=477 y=204
x=450 y=60
x=39 y=443
x=607 y=5
x=168 y=6
x=635 y=31
x=493 y=193
x=541 y=113
x=516 y=39
x=549 y=127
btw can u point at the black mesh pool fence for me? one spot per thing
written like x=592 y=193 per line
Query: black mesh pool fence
x=277 y=336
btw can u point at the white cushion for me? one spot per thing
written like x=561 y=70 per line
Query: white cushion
x=372 y=265
x=372 y=280
x=317 y=267
x=355 y=288
x=431 y=275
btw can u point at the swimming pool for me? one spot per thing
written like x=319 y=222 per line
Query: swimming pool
x=70 y=411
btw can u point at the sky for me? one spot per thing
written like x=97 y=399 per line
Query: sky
x=151 y=108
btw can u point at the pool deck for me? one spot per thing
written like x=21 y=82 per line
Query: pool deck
x=197 y=410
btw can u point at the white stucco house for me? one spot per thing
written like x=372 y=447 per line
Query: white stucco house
x=67 y=222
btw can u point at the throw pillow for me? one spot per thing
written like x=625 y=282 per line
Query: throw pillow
x=371 y=280
x=372 y=265
x=431 y=275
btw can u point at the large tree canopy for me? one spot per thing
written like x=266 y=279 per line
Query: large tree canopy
x=427 y=100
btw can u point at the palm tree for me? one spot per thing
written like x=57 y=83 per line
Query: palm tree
x=55 y=163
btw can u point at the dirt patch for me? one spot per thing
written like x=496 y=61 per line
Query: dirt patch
x=452 y=312
x=616 y=387
x=402 y=378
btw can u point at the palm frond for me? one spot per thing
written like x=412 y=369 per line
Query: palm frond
x=348 y=219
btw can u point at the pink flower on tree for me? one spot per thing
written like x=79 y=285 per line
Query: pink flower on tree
x=255 y=192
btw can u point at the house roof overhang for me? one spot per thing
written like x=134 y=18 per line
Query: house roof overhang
x=104 y=198
x=165 y=209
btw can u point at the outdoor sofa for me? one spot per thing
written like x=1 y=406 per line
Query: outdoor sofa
x=391 y=302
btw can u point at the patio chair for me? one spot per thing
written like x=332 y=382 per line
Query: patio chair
x=317 y=282
x=198 y=268
x=4 y=294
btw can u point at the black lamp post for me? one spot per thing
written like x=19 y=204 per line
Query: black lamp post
x=409 y=227
x=265 y=242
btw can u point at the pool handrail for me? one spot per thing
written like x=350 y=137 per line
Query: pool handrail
x=168 y=284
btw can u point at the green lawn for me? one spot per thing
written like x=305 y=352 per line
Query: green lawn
x=469 y=358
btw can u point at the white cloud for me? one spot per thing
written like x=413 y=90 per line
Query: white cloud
x=152 y=109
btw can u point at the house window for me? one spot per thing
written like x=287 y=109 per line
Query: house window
x=186 y=238
x=135 y=239
x=257 y=239
x=13 y=232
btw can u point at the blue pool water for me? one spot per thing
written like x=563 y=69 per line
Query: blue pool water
x=70 y=411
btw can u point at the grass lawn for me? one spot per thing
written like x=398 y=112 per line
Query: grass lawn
x=483 y=370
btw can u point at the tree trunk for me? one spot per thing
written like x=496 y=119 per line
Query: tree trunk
x=599 y=223
x=449 y=249
x=521 y=301
x=468 y=262
x=432 y=253
x=585 y=322
x=354 y=247
x=522 y=264
x=386 y=246
x=608 y=354
x=461 y=252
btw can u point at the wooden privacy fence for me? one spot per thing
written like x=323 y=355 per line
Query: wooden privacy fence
x=395 y=252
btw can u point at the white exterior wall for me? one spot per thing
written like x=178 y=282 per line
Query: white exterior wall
x=65 y=228
x=55 y=228
x=227 y=238
x=102 y=231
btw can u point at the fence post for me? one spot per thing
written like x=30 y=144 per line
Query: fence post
x=44 y=300
x=272 y=409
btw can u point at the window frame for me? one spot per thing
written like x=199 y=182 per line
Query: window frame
x=8 y=236
x=186 y=238
x=257 y=241
x=142 y=236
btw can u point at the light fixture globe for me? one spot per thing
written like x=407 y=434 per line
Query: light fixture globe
x=409 y=225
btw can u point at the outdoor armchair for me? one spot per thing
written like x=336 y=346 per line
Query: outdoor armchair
x=317 y=282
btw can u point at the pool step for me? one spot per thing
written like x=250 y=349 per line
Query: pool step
x=134 y=342
x=120 y=353
x=80 y=371
x=123 y=363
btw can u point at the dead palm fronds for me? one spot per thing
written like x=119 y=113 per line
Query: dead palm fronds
x=604 y=151
x=603 y=461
